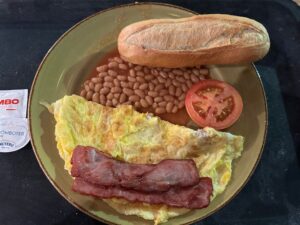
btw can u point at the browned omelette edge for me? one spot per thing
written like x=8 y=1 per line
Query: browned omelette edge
x=61 y=192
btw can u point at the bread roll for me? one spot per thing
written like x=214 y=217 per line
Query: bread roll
x=192 y=41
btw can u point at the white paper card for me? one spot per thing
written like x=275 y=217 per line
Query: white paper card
x=13 y=103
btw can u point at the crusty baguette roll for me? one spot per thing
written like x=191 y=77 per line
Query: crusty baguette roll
x=192 y=41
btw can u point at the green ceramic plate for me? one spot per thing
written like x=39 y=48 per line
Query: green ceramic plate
x=75 y=55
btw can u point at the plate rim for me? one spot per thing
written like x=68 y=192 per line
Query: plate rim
x=41 y=164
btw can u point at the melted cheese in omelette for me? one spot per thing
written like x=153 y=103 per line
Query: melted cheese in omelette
x=141 y=138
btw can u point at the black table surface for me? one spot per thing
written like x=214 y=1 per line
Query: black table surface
x=28 y=28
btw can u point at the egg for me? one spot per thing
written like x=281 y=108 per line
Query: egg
x=137 y=137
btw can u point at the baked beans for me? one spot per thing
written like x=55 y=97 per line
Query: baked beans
x=163 y=89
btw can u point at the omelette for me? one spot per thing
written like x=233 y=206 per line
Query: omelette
x=136 y=137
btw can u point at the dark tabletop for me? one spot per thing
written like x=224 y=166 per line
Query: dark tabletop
x=28 y=28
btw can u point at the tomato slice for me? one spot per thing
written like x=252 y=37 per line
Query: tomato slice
x=213 y=103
